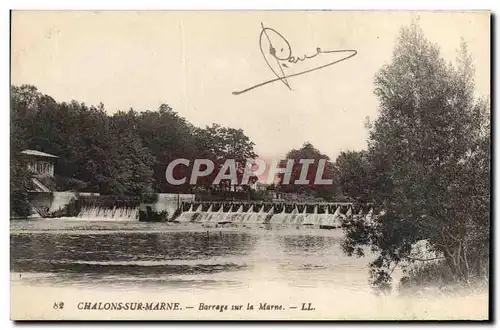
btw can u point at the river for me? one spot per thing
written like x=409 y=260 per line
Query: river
x=71 y=261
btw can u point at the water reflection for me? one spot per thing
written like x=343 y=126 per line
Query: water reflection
x=159 y=255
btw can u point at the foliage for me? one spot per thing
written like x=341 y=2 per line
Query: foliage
x=219 y=144
x=122 y=154
x=61 y=183
x=354 y=175
x=308 y=151
x=20 y=183
x=427 y=273
x=429 y=162
x=23 y=103
x=438 y=275
x=152 y=216
x=167 y=136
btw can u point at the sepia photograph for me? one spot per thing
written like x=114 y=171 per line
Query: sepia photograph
x=250 y=165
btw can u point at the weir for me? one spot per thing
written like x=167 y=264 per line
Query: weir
x=312 y=215
x=107 y=214
x=102 y=209
x=262 y=214
x=151 y=207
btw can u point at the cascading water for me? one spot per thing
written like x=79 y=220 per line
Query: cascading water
x=236 y=217
x=333 y=220
x=258 y=217
x=186 y=216
x=213 y=217
x=311 y=219
x=264 y=216
x=326 y=218
x=101 y=213
x=220 y=214
x=299 y=218
x=278 y=218
x=197 y=213
x=290 y=217
x=248 y=214
x=205 y=216
x=224 y=217
x=323 y=217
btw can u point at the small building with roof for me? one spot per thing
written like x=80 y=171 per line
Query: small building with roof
x=43 y=196
x=40 y=163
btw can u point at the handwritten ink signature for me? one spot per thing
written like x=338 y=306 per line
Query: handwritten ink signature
x=281 y=51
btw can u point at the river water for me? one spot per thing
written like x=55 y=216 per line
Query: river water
x=74 y=261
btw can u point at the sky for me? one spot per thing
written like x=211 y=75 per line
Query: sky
x=194 y=61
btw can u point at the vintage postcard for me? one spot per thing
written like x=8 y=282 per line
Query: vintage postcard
x=250 y=165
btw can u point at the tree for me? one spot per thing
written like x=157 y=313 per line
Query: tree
x=20 y=183
x=430 y=151
x=123 y=154
x=134 y=161
x=167 y=136
x=24 y=101
x=23 y=106
x=308 y=151
x=355 y=175
x=220 y=144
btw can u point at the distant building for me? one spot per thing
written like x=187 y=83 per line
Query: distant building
x=40 y=163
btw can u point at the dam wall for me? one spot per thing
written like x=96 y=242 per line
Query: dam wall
x=184 y=209
x=164 y=207
x=92 y=206
x=294 y=214
x=51 y=203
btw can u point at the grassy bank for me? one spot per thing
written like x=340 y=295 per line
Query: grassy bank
x=436 y=277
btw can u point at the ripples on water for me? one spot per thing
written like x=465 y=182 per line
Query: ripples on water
x=151 y=255
x=71 y=259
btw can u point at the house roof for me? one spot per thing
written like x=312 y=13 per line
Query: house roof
x=37 y=153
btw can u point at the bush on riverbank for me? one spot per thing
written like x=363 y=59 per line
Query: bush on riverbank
x=438 y=277
x=152 y=216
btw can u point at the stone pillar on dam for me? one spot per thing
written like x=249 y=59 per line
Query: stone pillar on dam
x=166 y=204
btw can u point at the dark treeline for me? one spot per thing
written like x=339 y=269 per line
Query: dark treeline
x=127 y=153
x=121 y=154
